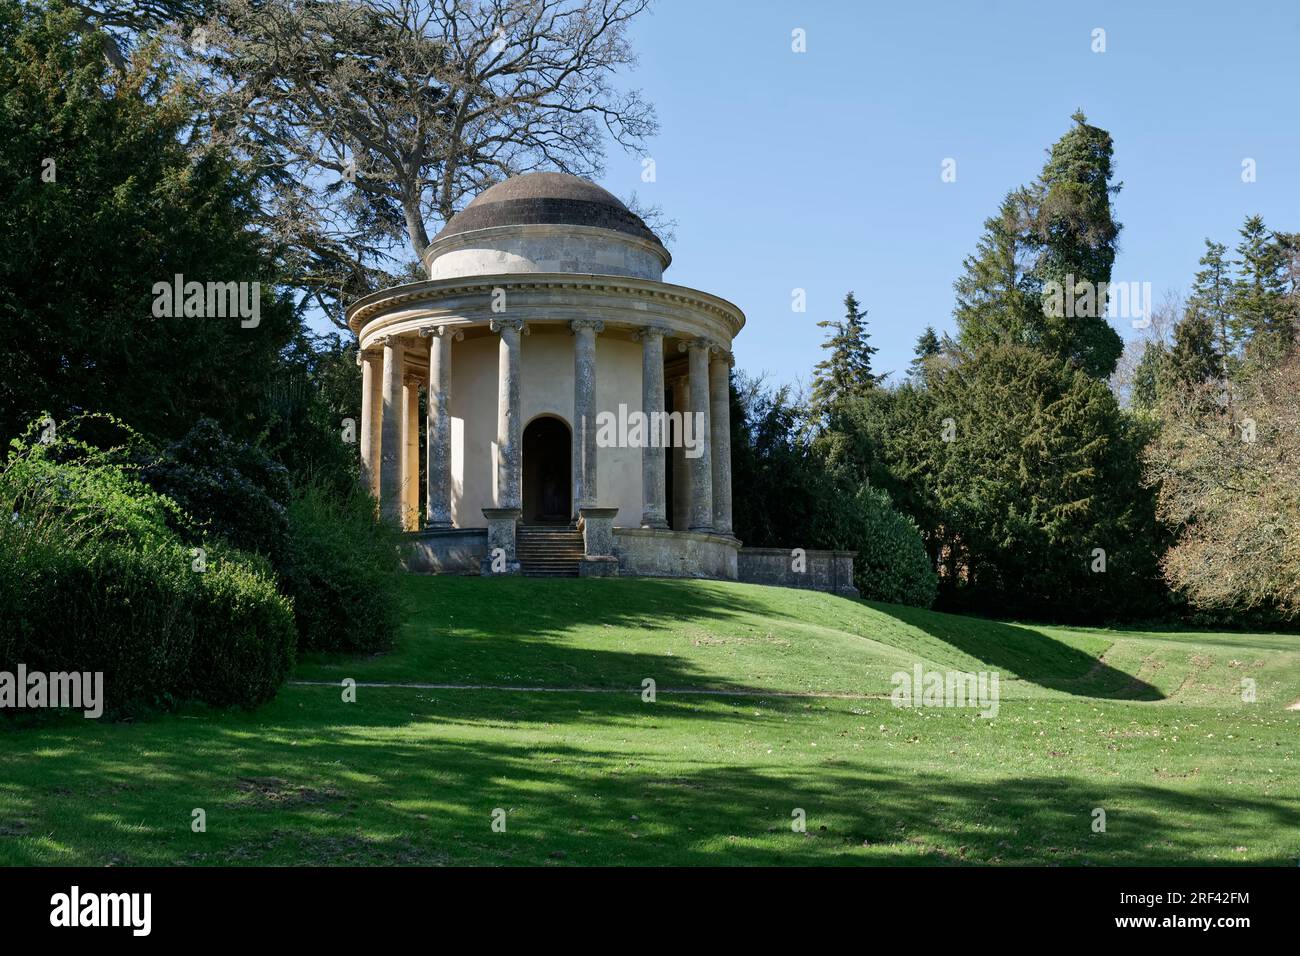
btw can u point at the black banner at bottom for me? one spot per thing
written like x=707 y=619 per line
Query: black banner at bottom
x=333 y=906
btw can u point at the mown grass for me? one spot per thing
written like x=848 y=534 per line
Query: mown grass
x=1151 y=728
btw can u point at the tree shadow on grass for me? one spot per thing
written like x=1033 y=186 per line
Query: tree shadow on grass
x=300 y=790
x=1028 y=653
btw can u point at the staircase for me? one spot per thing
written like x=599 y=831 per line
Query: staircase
x=549 y=551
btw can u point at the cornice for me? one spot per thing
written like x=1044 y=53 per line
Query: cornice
x=435 y=290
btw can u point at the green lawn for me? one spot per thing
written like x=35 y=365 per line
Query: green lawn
x=1149 y=727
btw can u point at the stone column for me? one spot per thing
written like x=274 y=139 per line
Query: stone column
x=720 y=439
x=584 y=412
x=681 y=481
x=509 y=490
x=411 y=454
x=390 y=449
x=653 y=487
x=372 y=414
x=438 y=426
x=364 y=440
x=699 y=459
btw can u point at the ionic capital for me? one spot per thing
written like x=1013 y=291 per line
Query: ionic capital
x=596 y=325
x=701 y=343
x=515 y=325
x=650 y=331
x=455 y=334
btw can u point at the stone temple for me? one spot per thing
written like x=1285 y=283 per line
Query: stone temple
x=576 y=405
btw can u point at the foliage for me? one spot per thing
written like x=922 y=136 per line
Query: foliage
x=1079 y=238
x=318 y=394
x=1016 y=468
x=846 y=372
x=998 y=296
x=370 y=121
x=1057 y=234
x=101 y=190
x=244 y=637
x=93 y=578
x=1224 y=464
x=891 y=564
x=341 y=570
x=927 y=348
x=228 y=489
x=1265 y=313
x=104 y=607
x=795 y=497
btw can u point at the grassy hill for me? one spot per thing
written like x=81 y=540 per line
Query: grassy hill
x=769 y=702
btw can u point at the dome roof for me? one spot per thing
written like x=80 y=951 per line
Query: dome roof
x=548 y=198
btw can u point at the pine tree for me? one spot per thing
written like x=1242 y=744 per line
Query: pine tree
x=1149 y=374
x=927 y=347
x=1079 y=238
x=845 y=373
x=1194 y=357
x=997 y=300
x=1212 y=295
x=1260 y=300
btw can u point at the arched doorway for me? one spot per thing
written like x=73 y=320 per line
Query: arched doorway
x=548 y=495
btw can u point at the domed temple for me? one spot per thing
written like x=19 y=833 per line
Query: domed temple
x=577 y=406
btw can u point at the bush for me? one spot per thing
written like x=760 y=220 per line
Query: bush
x=92 y=578
x=341 y=569
x=108 y=608
x=229 y=489
x=892 y=564
x=243 y=634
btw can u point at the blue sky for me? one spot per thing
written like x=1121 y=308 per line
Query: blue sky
x=821 y=170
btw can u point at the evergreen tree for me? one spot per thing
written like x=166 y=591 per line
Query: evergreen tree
x=1194 y=357
x=997 y=299
x=927 y=347
x=1212 y=294
x=1079 y=237
x=1260 y=298
x=846 y=372
x=1149 y=374
x=102 y=201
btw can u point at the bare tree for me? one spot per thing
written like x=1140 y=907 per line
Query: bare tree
x=371 y=121
x=1227 y=468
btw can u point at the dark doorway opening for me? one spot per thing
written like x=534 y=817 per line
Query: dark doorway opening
x=548 y=496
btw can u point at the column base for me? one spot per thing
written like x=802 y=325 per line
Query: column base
x=702 y=528
x=501 y=557
x=654 y=521
x=437 y=525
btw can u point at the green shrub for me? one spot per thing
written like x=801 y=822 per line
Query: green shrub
x=243 y=634
x=107 y=607
x=341 y=569
x=93 y=578
x=229 y=489
x=892 y=564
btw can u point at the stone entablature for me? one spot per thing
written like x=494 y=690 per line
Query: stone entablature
x=621 y=302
